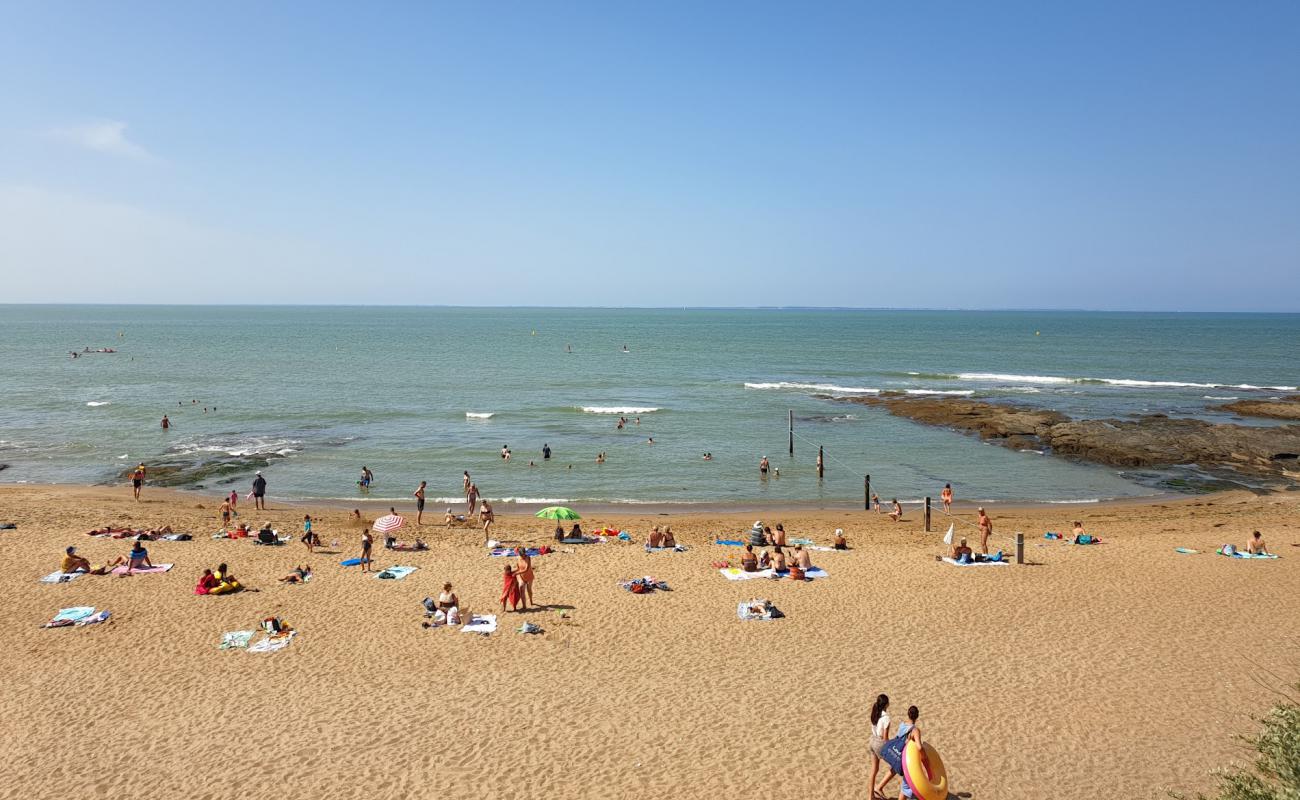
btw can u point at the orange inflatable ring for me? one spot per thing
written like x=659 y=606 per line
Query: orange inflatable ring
x=924 y=773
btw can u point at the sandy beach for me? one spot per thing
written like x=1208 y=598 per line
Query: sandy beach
x=1122 y=669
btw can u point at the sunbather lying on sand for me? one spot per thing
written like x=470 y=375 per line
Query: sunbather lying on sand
x=960 y=551
x=299 y=575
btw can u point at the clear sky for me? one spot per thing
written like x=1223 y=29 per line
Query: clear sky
x=949 y=154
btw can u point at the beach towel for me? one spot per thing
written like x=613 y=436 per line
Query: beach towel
x=272 y=643
x=510 y=551
x=730 y=542
x=480 y=623
x=71 y=616
x=955 y=563
x=1187 y=551
x=395 y=573
x=681 y=548
x=1239 y=554
x=351 y=562
x=235 y=639
x=822 y=548
x=757 y=609
x=738 y=574
x=804 y=542
x=178 y=537
x=8 y=526
x=154 y=570
x=582 y=540
x=61 y=577
x=94 y=619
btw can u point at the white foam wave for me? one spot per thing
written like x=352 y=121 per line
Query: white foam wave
x=1130 y=382
x=618 y=409
x=479 y=414
x=1221 y=397
x=998 y=376
x=253 y=447
x=1074 y=502
x=1021 y=389
x=97 y=403
x=952 y=392
x=816 y=387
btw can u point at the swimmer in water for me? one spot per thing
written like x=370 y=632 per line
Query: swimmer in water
x=166 y=423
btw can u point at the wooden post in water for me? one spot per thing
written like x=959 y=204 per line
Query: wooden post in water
x=821 y=468
x=927 y=515
x=1020 y=547
x=866 y=492
x=792 y=431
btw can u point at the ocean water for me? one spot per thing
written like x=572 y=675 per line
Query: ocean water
x=310 y=395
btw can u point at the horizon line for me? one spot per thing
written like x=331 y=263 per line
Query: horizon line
x=653 y=308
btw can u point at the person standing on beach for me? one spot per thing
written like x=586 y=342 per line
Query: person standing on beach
x=524 y=572
x=419 y=503
x=472 y=499
x=137 y=480
x=487 y=517
x=367 y=541
x=946 y=497
x=986 y=530
x=234 y=502
x=259 y=492
x=465 y=482
x=880 y=723
x=225 y=513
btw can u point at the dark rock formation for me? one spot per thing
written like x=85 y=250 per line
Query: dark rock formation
x=1149 y=441
x=1286 y=408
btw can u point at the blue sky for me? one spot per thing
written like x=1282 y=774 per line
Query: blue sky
x=971 y=155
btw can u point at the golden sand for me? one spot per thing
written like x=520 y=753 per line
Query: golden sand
x=1122 y=669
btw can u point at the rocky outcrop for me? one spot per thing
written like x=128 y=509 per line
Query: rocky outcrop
x=1149 y=441
x=1286 y=408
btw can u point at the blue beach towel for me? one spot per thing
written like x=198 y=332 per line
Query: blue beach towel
x=351 y=562
x=730 y=542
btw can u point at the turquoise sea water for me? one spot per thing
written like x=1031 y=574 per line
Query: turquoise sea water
x=315 y=393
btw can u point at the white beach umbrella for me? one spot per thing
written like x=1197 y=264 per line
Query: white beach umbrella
x=388 y=523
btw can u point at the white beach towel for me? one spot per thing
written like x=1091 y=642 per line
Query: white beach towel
x=976 y=563
x=236 y=639
x=480 y=623
x=269 y=645
x=738 y=574
x=395 y=573
x=61 y=577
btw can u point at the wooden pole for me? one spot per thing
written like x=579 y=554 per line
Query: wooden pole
x=1020 y=548
x=792 y=431
x=927 y=515
x=821 y=468
x=866 y=492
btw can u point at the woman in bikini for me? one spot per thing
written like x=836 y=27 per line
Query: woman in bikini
x=946 y=497
x=524 y=572
x=749 y=561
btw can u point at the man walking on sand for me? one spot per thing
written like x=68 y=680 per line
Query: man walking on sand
x=137 y=480
x=259 y=492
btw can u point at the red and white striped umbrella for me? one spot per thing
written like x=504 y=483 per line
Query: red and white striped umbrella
x=388 y=523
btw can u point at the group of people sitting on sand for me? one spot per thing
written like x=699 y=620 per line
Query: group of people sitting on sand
x=661 y=538
x=796 y=562
x=137 y=558
x=218 y=581
x=575 y=534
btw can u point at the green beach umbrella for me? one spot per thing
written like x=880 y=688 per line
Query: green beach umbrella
x=558 y=512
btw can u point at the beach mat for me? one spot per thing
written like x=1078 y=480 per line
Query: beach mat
x=956 y=563
x=1187 y=551
x=61 y=577
x=395 y=573
x=738 y=574
x=729 y=542
x=1248 y=555
x=351 y=562
x=532 y=552
x=154 y=570
x=747 y=610
x=480 y=623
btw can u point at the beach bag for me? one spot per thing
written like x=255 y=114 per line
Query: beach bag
x=1229 y=550
x=892 y=752
x=1084 y=538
